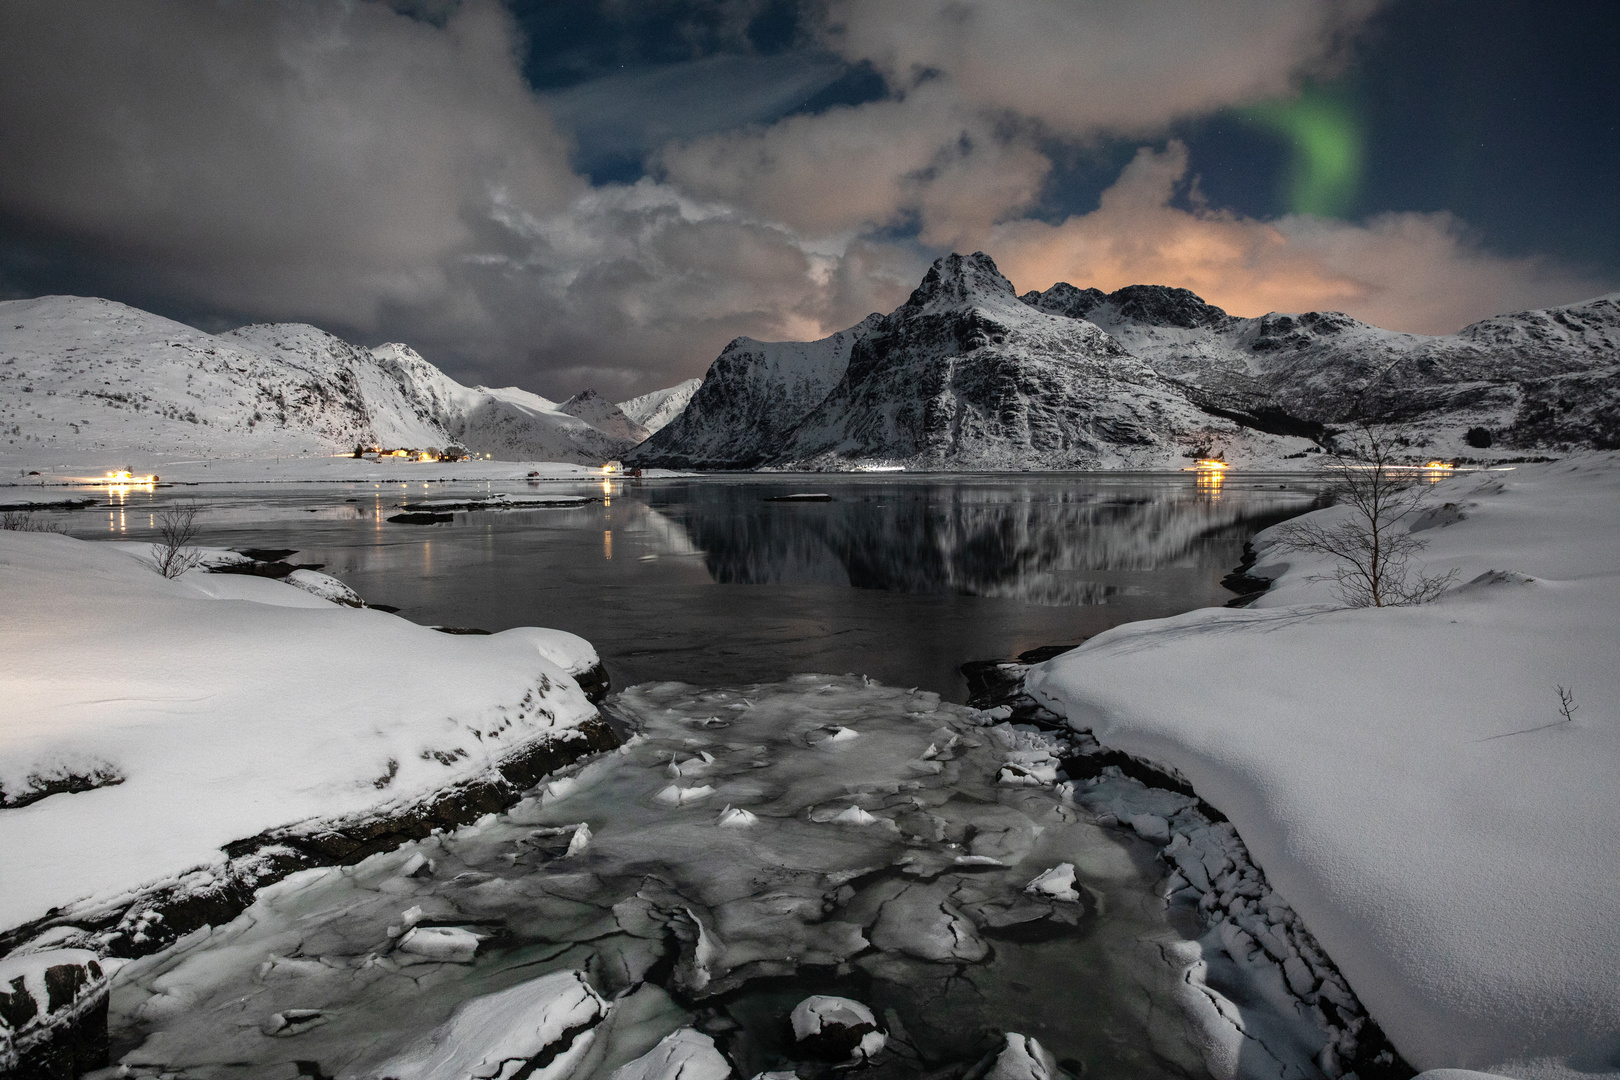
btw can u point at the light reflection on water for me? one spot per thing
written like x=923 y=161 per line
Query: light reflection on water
x=706 y=581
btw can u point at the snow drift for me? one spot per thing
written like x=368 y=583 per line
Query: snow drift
x=1405 y=776
x=150 y=721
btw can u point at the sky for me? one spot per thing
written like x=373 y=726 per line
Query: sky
x=558 y=194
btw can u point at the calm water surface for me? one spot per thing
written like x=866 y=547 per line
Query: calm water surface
x=708 y=582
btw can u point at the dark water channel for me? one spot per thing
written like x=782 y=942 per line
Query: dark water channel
x=709 y=582
x=769 y=832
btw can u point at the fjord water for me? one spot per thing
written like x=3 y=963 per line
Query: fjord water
x=883 y=849
x=710 y=582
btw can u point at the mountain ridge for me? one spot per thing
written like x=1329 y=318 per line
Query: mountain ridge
x=85 y=376
x=1146 y=376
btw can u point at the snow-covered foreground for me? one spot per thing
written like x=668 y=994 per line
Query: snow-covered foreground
x=149 y=721
x=1404 y=775
x=747 y=852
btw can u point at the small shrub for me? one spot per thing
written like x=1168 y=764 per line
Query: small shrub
x=25 y=521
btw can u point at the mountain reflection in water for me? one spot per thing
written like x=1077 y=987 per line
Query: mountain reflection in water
x=1039 y=542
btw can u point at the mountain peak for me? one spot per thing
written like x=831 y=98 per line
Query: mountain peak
x=961 y=279
x=1148 y=305
x=603 y=415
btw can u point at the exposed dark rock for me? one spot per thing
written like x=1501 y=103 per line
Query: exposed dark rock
x=421 y=519
x=268 y=555
x=62 y=1037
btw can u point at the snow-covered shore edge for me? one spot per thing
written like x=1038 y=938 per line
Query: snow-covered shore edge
x=1390 y=772
x=173 y=746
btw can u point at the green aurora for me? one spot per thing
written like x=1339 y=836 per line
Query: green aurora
x=1325 y=134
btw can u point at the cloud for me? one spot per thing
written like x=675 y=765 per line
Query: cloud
x=1082 y=67
x=870 y=166
x=1422 y=273
x=281 y=158
x=623 y=118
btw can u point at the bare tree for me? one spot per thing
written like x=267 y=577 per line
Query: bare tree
x=1372 y=545
x=173 y=554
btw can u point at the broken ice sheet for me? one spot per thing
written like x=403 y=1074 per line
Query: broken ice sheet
x=916 y=907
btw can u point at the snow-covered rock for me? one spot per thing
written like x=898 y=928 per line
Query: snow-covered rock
x=541 y=1029
x=1023 y=1058
x=149 y=721
x=836 y=1027
x=654 y=411
x=1404 y=776
x=684 y=1054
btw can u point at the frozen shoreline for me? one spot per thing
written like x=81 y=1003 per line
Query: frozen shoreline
x=192 y=738
x=1393 y=773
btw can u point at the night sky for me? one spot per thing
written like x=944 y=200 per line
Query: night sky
x=605 y=192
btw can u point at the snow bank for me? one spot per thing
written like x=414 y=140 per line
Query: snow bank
x=150 y=721
x=1404 y=775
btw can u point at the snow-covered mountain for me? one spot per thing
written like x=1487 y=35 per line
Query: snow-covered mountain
x=967 y=375
x=653 y=412
x=962 y=376
x=1533 y=378
x=92 y=377
x=753 y=395
x=604 y=415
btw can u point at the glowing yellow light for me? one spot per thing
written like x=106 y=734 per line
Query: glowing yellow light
x=1210 y=465
x=1438 y=465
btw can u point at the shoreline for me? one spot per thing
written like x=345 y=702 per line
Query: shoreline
x=1100 y=780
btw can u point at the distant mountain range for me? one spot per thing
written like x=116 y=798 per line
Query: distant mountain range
x=965 y=375
x=85 y=376
x=969 y=375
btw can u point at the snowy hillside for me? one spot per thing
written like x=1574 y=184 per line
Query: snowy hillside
x=1534 y=379
x=88 y=379
x=653 y=412
x=753 y=395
